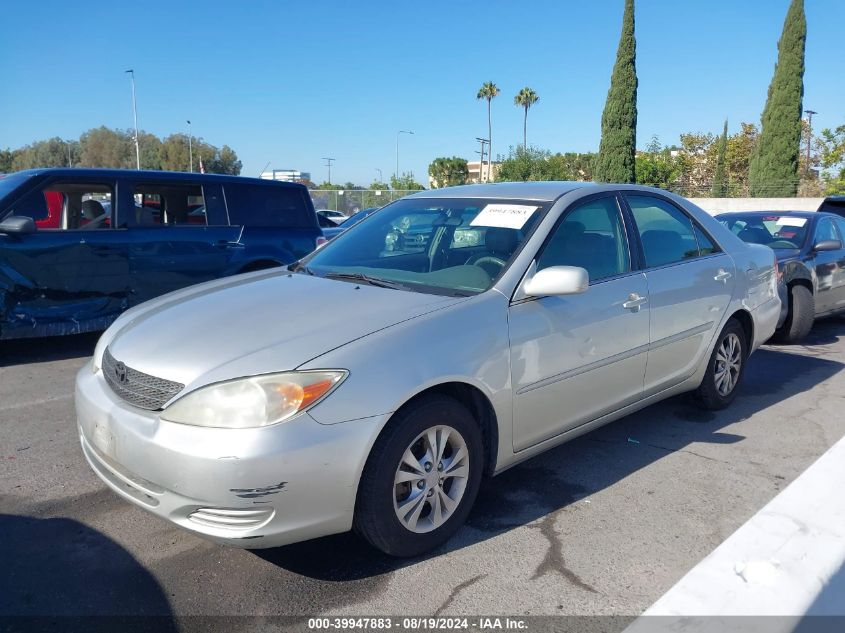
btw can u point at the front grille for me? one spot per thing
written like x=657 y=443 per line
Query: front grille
x=136 y=387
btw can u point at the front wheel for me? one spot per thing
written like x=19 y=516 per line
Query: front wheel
x=421 y=478
x=799 y=319
x=725 y=369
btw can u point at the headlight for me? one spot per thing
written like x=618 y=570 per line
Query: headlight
x=256 y=401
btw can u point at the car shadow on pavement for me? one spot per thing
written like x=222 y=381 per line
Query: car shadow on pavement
x=536 y=489
x=41 y=350
x=60 y=574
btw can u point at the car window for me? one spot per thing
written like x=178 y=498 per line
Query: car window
x=592 y=237
x=666 y=232
x=268 y=206
x=68 y=205
x=705 y=244
x=825 y=230
x=841 y=225
x=169 y=204
x=440 y=246
x=786 y=231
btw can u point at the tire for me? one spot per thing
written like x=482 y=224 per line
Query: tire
x=799 y=319
x=381 y=500
x=714 y=393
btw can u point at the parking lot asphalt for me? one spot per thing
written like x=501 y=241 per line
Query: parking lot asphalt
x=602 y=525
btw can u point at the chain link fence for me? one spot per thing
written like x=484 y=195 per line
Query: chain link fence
x=348 y=201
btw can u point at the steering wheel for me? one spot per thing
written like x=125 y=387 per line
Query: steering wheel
x=489 y=259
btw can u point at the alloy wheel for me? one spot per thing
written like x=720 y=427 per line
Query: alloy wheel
x=431 y=479
x=728 y=364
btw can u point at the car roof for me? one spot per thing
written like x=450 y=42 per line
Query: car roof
x=177 y=176
x=546 y=191
x=797 y=214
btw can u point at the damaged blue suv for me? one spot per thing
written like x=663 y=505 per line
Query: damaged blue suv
x=80 y=246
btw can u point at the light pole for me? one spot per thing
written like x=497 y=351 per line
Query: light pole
x=809 y=114
x=135 y=117
x=397 y=149
x=329 y=162
x=69 y=159
x=190 y=148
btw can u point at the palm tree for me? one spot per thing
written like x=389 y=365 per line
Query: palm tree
x=525 y=98
x=488 y=91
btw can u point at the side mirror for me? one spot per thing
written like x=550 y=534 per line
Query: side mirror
x=557 y=280
x=823 y=245
x=17 y=225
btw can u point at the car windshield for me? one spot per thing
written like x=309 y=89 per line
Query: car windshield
x=441 y=246
x=11 y=182
x=769 y=229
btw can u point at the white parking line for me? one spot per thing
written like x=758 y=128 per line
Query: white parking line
x=787 y=560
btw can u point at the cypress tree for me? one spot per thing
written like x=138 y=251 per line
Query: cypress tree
x=774 y=162
x=720 y=183
x=617 y=151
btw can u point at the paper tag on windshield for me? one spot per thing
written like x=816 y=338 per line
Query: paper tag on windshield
x=504 y=216
x=785 y=221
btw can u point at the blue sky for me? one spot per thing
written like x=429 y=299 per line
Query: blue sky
x=291 y=82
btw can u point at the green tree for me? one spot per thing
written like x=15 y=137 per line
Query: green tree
x=774 y=164
x=104 y=147
x=488 y=92
x=832 y=151
x=405 y=182
x=447 y=172
x=617 y=150
x=720 y=179
x=525 y=98
x=49 y=153
x=6 y=158
x=524 y=164
x=656 y=166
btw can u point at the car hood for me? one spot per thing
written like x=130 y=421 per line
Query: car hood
x=257 y=323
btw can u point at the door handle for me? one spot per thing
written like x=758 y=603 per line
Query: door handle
x=634 y=302
x=723 y=276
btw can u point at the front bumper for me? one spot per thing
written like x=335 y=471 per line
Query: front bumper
x=249 y=488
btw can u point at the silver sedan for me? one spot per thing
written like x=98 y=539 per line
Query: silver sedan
x=455 y=333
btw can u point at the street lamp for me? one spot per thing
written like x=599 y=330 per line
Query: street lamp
x=190 y=147
x=135 y=117
x=397 y=149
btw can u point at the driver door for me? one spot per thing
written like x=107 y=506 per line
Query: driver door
x=575 y=358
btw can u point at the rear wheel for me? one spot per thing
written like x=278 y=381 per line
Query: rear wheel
x=799 y=319
x=421 y=478
x=725 y=369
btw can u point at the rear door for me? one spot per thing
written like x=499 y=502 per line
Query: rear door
x=690 y=285
x=179 y=235
x=74 y=276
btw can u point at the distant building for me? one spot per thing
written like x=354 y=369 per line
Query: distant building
x=287 y=175
x=478 y=172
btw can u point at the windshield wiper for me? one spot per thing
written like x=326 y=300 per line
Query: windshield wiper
x=362 y=278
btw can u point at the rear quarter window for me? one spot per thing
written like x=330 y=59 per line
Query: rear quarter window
x=268 y=206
